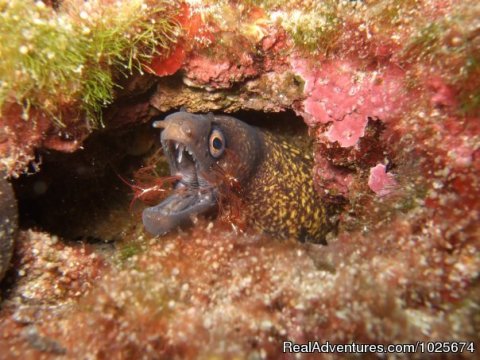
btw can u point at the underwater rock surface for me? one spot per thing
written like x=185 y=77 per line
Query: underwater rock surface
x=389 y=92
x=8 y=224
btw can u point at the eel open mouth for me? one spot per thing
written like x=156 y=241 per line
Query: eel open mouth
x=193 y=194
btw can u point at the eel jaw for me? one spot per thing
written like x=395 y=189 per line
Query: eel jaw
x=193 y=194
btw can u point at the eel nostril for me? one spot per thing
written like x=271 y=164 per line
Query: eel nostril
x=186 y=130
x=159 y=124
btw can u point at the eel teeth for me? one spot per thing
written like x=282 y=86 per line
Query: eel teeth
x=180 y=154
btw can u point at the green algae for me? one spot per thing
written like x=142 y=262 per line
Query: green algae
x=451 y=43
x=129 y=250
x=470 y=103
x=389 y=12
x=470 y=96
x=425 y=44
x=315 y=28
x=56 y=59
x=314 y=31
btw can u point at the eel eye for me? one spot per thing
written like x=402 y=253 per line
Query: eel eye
x=216 y=143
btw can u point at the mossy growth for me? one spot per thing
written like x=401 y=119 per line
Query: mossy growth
x=452 y=44
x=267 y=4
x=129 y=250
x=426 y=43
x=388 y=13
x=469 y=82
x=65 y=59
x=315 y=28
x=470 y=102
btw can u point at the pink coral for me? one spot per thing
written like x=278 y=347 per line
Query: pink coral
x=380 y=181
x=342 y=93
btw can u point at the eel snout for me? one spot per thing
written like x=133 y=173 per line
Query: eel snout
x=193 y=194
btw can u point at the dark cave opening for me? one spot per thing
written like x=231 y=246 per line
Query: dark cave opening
x=73 y=191
x=77 y=195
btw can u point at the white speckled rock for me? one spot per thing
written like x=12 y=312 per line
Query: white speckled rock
x=8 y=224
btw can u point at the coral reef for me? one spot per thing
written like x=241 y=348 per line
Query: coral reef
x=389 y=92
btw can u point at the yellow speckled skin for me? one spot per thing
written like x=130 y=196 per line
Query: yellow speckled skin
x=281 y=198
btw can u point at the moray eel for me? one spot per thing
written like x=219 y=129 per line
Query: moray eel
x=8 y=224
x=212 y=153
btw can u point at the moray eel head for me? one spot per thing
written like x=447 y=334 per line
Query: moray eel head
x=199 y=150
